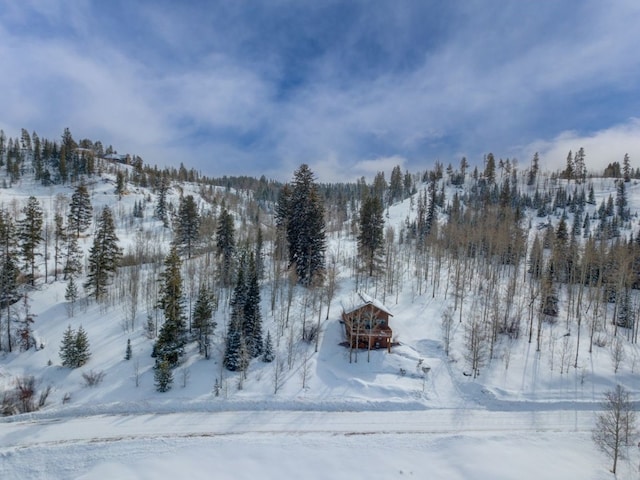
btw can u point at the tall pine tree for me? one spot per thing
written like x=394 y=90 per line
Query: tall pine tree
x=30 y=234
x=305 y=226
x=104 y=255
x=252 y=327
x=235 y=353
x=203 y=323
x=225 y=247
x=188 y=224
x=172 y=338
x=370 y=236
x=8 y=272
x=80 y=211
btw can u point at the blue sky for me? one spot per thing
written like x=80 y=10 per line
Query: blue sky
x=351 y=88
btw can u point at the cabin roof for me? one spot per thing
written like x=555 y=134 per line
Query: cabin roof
x=368 y=300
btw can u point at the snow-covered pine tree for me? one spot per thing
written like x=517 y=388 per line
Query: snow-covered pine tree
x=72 y=258
x=30 y=235
x=68 y=348
x=268 y=354
x=128 y=352
x=163 y=376
x=203 y=323
x=305 y=226
x=370 y=235
x=71 y=294
x=104 y=255
x=225 y=247
x=121 y=184
x=8 y=272
x=171 y=340
x=59 y=238
x=74 y=348
x=80 y=211
x=82 y=347
x=161 y=203
x=188 y=225
x=235 y=347
x=252 y=327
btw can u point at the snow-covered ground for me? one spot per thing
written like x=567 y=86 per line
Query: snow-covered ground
x=378 y=416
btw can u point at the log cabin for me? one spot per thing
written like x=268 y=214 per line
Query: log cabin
x=367 y=324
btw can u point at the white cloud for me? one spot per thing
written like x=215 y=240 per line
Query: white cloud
x=601 y=148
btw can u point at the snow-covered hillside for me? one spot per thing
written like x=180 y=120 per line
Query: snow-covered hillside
x=317 y=410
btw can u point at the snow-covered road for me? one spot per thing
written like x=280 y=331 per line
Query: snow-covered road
x=438 y=444
x=113 y=427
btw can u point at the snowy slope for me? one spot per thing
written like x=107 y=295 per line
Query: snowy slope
x=379 y=414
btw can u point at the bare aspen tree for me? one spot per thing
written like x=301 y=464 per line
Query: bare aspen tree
x=566 y=348
x=616 y=425
x=475 y=344
x=278 y=374
x=136 y=372
x=305 y=370
x=447 y=329
x=616 y=352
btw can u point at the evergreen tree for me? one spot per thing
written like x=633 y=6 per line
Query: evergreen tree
x=74 y=348
x=252 y=326
x=8 y=271
x=268 y=354
x=203 y=320
x=67 y=150
x=104 y=255
x=626 y=168
x=71 y=293
x=370 y=235
x=569 y=170
x=225 y=247
x=188 y=224
x=128 y=352
x=490 y=169
x=59 y=237
x=409 y=189
x=121 y=184
x=591 y=199
x=80 y=211
x=162 y=212
x=72 y=259
x=259 y=256
x=30 y=234
x=68 y=348
x=621 y=201
x=395 y=185
x=163 y=376
x=82 y=347
x=170 y=344
x=533 y=172
x=8 y=291
x=580 y=168
x=235 y=357
x=305 y=225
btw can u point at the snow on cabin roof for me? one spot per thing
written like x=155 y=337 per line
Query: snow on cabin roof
x=368 y=300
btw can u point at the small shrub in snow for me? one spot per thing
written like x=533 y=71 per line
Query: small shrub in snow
x=22 y=398
x=93 y=378
x=600 y=342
